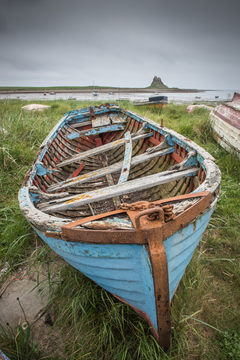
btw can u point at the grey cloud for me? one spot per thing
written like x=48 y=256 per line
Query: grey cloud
x=125 y=43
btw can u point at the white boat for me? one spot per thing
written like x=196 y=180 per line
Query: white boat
x=225 y=119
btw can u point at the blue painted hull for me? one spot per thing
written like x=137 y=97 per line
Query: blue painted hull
x=3 y=356
x=125 y=269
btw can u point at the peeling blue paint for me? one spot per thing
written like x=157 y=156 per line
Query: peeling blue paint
x=192 y=161
x=34 y=197
x=101 y=130
x=23 y=196
x=121 y=269
x=3 y=356
x=41 y=170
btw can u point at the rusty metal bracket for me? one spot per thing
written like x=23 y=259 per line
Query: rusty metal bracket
x=74 y=232
x=158 y=213
x=161 y=288
x=92 y=113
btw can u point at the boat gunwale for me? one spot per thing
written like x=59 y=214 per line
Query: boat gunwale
x=215 y=112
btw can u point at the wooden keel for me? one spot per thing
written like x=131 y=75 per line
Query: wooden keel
x=161 y=288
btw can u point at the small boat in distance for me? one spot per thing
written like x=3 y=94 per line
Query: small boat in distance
x=225 y=119
x=94 y=93
x=125 y=201
x=153 y=102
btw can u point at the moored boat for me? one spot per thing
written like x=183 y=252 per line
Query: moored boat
x=125 y=201
x=153 y=102
x=225 y=119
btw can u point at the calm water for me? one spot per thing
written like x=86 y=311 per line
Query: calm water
x=220 y=95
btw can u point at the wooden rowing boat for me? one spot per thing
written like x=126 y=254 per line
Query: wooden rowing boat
x=153 y=102
x=124 y=201
x=225 y=119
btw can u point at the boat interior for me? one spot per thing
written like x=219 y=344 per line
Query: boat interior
x=103 y=157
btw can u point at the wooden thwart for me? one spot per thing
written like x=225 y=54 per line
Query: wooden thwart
x=108 y=170
x=81 y=124
x=97 y=131
x=100 y=149
x=101 y=120
x=117 y=190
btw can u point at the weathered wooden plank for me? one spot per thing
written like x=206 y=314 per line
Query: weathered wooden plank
x=81 y=124
x=100 y=149
x=117 y=118
x=101 y=121
x=108 y=170
x=127 y=159
x=100 y=130
x=117 y=190
x=116 y=199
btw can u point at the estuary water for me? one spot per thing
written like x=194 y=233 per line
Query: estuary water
x=176 y=97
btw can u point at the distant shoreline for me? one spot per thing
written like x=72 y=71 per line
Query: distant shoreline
x=25 y=90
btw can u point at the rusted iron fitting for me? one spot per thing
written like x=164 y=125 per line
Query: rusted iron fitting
x=92 y=113
x=145 y=205
x=136 y=206
x=152 y=214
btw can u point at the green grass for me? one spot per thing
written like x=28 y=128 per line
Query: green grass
x=17 y=343
x=205 y=311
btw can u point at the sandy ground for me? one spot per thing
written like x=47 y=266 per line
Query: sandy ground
x=24 y=297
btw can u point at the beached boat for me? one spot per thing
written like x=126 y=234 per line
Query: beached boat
x=153 y=102
x=124 y=201
x=225 y=119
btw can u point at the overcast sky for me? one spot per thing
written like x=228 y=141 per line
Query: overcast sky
x=188 y=43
